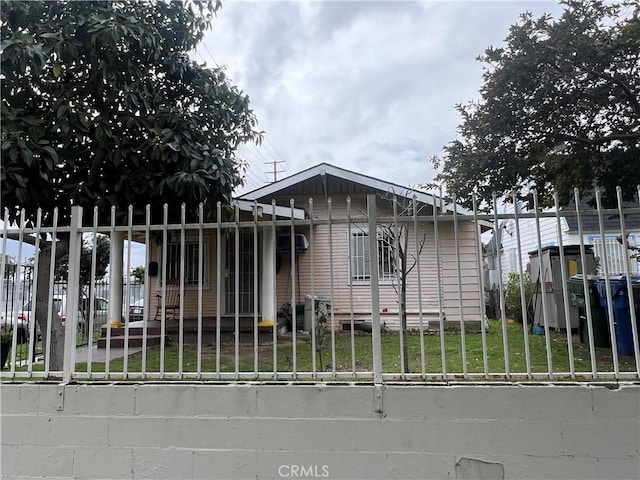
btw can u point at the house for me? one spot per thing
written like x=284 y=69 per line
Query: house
x=308 y=235
x=504 y=245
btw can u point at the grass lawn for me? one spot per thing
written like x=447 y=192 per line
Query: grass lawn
x=391 y=354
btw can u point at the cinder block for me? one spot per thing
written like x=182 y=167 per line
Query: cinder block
x=10 y=400
x=605 y=438
x=227 y=464
x=170 y=400
x=40 y=462
x=315 y=401
x=10 y=456
x=111 y=399
x=526 y=437
x=20 y=430
x=346 y=465
x=452 y=402
x=564 y=467
x=141 y=432
x=58 y=430
x=105 y=463
x=221 y=401
x=615 y=403
x=232 y=433
x=618 y=468
x=560 y=402
x=155 y=463
x=50 y=398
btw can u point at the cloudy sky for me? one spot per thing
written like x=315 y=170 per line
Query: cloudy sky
x=370 y=86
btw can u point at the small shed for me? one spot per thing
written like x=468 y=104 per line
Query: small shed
x=546 y=280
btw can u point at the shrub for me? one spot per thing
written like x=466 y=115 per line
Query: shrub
x=512 y=299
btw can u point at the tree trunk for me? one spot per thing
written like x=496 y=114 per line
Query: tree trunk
x=56 y=354
x=403 y=322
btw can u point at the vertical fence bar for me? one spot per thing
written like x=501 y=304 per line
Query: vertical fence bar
x=14 y=320
x=349 y=267
x=565 y=293
x=73 y=300
x=183 y=245
x=314 y=339
x=52 y=265
x=163 y=309
x=275 y=293
x=481 y=286
x=418 y=246
x=400 y=273
x=236 y=287
x=375 y=290
x=294 y=299
x=92 y=288
x=331 y=292
x=542 y=287
x=128 y=290
x=36 y=268
x=456 y=240
x=585 y=284
x=147 y=302
x=201 y=260
x=436 y=238
x=503 y=317
x=3 y=257
x=255 y=289
x=219 y=267
x=523 y=299
x=605 y=265
x=627 y=272
x=107 y=361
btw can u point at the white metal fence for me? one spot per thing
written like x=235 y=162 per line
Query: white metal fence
x=352 y=312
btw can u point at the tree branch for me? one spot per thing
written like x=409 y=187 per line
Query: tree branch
x=599 y=140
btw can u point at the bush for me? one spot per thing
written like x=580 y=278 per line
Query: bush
x=512 y=299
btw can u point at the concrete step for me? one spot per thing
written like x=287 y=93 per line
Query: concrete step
x=138 y=331
x=134 y=341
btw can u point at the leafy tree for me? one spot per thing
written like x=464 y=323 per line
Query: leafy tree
x=138 y=272
x=101 y=106
x=102 y=261
x=559 y=108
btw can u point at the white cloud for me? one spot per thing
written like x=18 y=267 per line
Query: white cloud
x=368 y=86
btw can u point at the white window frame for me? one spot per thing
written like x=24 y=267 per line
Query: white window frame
x=190 y=264
x=360 y=253
x=616 y=253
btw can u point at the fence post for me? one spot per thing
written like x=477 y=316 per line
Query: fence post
x=375 y=290
x=73 y=298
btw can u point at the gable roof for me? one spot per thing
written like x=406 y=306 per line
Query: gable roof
x=611 y=223
x=357 y=183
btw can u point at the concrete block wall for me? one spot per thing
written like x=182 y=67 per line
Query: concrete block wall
x=252 y=431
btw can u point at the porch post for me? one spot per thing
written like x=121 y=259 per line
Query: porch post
x=115 y=277
x=268 y=275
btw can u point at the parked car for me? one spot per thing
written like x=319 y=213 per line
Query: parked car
x=101 y=313
x=136 y=311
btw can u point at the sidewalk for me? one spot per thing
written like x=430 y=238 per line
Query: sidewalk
x=99 y=355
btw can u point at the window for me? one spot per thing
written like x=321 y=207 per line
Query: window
x=191 y=261
x=360 y=260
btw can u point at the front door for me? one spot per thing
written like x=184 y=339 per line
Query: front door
x=246 y=274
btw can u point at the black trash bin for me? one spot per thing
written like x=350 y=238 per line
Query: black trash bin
x=591 y=301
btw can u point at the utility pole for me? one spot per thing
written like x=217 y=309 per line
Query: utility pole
x=275 y=169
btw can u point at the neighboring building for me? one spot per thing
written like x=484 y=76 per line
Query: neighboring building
x=591 y=235
x=334 y=256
